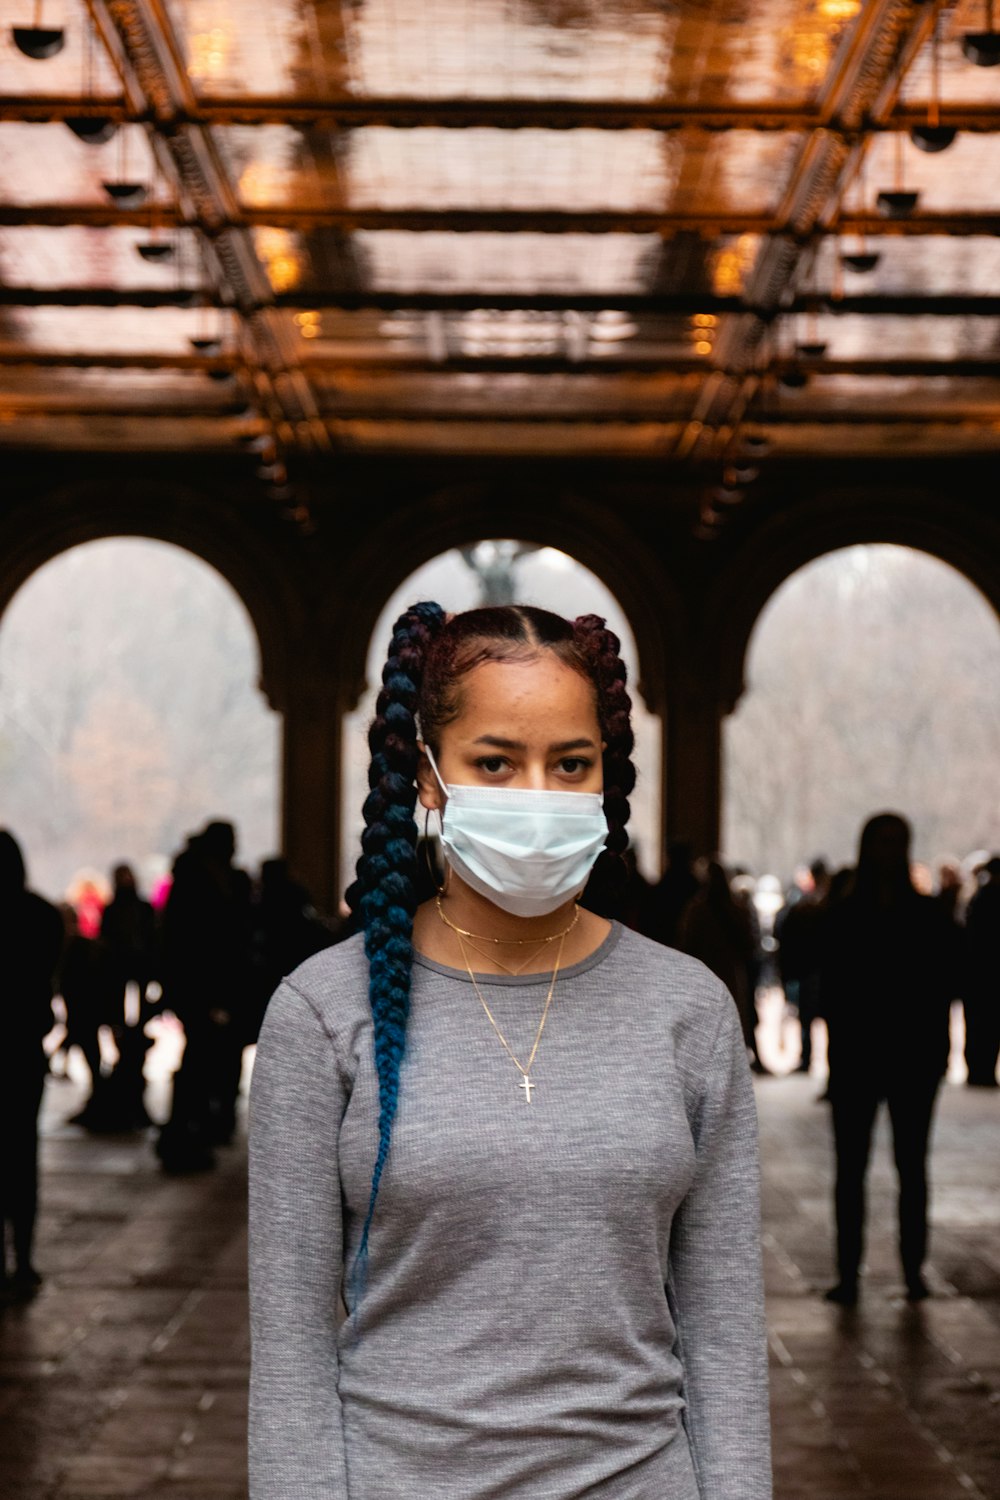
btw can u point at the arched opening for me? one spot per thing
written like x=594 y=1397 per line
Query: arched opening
x=130 y=712
x=462 y=578
x=871 y=683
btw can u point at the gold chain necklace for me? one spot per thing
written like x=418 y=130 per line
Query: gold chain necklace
x=526 y=1082
x=478 y=937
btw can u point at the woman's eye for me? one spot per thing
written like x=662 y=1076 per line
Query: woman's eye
x=574 y=764
x=491 y=764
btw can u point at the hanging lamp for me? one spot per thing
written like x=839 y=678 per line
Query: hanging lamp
x=934 y=136
x=37 y=41
x=983 y=47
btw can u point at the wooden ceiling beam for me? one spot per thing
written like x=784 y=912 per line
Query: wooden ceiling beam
x=504 y=114
x=497 y=221
x=146 y=54
x=18 y=356
x=860 y=89
x=647 y=304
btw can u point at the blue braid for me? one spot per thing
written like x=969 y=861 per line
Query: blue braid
x=384 y=894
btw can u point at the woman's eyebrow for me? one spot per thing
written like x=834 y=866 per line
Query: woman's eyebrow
x=502 y=744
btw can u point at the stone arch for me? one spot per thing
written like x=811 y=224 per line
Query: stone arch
x=937 y=525
x=33 y=534
x=453 y=517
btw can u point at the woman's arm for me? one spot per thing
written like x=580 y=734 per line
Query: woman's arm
x=716 y=1282
x=297 y=1099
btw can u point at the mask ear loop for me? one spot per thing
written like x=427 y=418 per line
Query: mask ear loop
x=442 y=890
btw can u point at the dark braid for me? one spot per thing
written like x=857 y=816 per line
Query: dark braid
x=601 y=649
x=384 y=892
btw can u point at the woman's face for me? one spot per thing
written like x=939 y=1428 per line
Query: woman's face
x=521 y=724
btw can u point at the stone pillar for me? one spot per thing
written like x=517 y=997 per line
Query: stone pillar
x=311 y=768
x=692 y=764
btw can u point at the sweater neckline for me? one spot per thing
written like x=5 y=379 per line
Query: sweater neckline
x=540 y=976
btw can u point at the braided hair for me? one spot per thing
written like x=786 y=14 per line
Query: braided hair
x=428 y=656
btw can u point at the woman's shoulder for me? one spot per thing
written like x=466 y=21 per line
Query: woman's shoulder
x=333 y=982
x=690 y=993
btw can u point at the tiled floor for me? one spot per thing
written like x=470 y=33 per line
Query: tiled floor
x=126 y=1376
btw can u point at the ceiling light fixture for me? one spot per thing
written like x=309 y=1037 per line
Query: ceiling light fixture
x=934 y=136
x=862 y=259
x=92 y=130
x=37 y=41
x=897 y=202
x=983 y=47
x=156 y=250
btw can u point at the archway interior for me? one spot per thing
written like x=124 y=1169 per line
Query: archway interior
x=129 y=713
x=543 y=576
x=871 y=684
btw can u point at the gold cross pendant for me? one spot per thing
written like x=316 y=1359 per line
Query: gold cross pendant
x=527 y=1085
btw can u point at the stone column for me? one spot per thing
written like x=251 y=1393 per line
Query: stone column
x=311 y=773
x=692 y=764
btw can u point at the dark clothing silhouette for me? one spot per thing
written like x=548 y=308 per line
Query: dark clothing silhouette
x=129 y=937
x=797 y=928
x=83 y=983
x=31 y=932
x=287 y=930
x=887 y=978
x=207 y=984
x=981 y=996
x=670 y=896
x=128 y=932
x=722 y=932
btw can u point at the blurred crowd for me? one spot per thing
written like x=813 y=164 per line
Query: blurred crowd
x=871 y=949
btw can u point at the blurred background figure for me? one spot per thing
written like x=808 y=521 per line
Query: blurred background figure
x=797 y=928
x=671 y=894
x=208 y=982
x=88 y=894
x=287 y=929
x=82 y=981
x=981 y=997
x=31 y=940
x=888 y=973
x=129 y=938
x=721 y=930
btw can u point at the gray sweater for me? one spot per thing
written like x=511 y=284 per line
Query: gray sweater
x=564 y=1296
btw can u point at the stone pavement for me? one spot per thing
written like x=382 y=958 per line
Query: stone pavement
x=126 y=1376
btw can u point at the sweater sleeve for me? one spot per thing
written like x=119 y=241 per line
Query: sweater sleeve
x=297 y=1099
x=715 y=1282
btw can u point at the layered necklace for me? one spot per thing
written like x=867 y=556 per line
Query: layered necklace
x=472 y=940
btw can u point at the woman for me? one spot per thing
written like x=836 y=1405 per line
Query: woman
x=31 y=935
x=888 y=971
x=559 y=1292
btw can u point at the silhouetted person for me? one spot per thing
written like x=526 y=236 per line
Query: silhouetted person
x=287 y=930
x=717 y=928
x=208 y=983
x=671 y=894
x=82 y=981
x=981 y=997
x=31 y=938
x=636 y=909
x=950 y=882
x=887 y=976
x=797 y=928
x=128 y=932
x=129 y=938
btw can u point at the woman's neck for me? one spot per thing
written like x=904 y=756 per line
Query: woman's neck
x=487 y=951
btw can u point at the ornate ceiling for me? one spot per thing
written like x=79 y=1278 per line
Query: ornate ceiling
x=612 y=227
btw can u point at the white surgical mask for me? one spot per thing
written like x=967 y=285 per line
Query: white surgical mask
x=527 y=851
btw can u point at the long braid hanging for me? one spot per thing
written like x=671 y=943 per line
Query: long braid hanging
x=602 y=649
x=384 y=894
